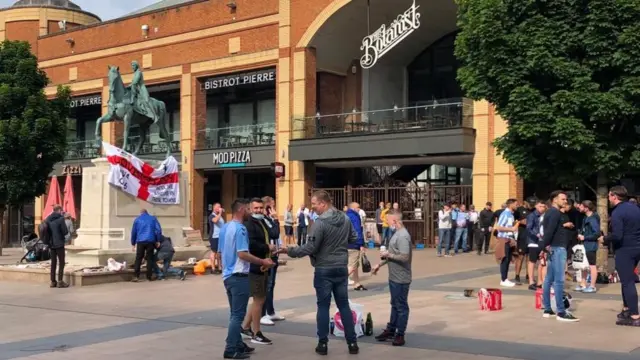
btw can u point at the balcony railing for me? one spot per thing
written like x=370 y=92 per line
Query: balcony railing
x=152 y=146
x=237 y=136
x=428 y=115
x=82 y=149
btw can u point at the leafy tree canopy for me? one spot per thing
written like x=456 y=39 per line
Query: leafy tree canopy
x=566 y=76
x=32 y=128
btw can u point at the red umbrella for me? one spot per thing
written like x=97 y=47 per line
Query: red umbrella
x=69 y=204
x=53 y=197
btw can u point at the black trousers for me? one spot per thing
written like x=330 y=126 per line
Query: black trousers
x=143 y=249
x=626 y=261
x=302 y=235
x=57 y=257
x=483 y=238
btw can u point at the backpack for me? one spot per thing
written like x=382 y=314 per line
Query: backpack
x=45 y=233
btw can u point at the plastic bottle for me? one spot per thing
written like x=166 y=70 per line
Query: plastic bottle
x=332 y=326
x=588 y=279
x=368 y=326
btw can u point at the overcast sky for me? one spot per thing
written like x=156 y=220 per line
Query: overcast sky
x=105 y=9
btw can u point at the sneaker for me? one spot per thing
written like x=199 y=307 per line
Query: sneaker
x=351 y=282
x=183 y=275
x=360 y=288
x=589 y=290
x=276 y=317
x=533 y=287
x=135 y=280
x=322 y=348
x=578 y=288
x=54 y=284
x=447 y=255
x=237 y=355
x=385 y=335
x=398 y=341
x=628 y=322
x=507 y=283
x=247 y=349
x=624 y=314
x=548 y=313
x=260 y=339
x=62 y=285
x=567 y=317
x=353 y=348
x=266 y=320
x=247 y=334
x=439 y=255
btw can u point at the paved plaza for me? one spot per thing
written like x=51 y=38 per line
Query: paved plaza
x=187 y=320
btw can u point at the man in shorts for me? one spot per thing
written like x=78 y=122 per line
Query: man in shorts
x=216 y=219
x=522 y=247
x=534 y=235
x=260 y=247
x=379 y=220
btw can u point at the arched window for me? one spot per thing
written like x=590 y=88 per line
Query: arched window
x=432 y=74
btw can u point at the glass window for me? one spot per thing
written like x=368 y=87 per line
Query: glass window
x=89 y=129
x=240 y=119
x=72 y=126
x=267 y=115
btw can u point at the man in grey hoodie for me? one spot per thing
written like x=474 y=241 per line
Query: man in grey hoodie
x=326 y=246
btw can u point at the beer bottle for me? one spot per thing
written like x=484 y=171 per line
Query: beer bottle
x=368 y=325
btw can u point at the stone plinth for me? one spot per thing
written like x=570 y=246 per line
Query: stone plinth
x=108 y=213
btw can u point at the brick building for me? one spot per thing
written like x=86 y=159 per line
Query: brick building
x=248 y=83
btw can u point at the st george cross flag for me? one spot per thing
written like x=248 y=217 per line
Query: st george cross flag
x=155 y=185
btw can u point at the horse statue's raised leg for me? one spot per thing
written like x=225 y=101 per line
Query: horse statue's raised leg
x=107 y=118
x=162 y=126
x=144 y=129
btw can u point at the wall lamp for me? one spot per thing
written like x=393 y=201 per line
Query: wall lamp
x=145 y=30
x=71 y=42
x=232 y=6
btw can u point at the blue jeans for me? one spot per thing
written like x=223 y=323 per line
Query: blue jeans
x=267 y=308
x=399 y=308
x=167 y=270
x=386 y=236
x=334 y=281
x=444 y=235
x=555 y=276
x=461 y=233
x=237 y=287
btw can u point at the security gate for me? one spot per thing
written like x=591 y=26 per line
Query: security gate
x=419 y=205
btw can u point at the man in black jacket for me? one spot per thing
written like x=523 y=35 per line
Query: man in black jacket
x=54 y=234
x=485 y=221
x=260 y=247
x=273 y=227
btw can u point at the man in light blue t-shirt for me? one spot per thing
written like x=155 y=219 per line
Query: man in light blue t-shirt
x=233 y=246
x=216 y=219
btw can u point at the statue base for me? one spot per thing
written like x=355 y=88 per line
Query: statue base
x=107 y=216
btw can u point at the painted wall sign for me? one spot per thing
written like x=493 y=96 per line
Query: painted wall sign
x=72 y=170
x=93 y=100
x=386 y=38
x=229 y=81
x=232 y=158
x=278 y=169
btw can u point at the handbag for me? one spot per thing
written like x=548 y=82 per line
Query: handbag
x=366 y=264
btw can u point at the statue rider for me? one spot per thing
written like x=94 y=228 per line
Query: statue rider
x=139 y=95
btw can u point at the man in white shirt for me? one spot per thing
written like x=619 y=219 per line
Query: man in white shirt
x=472 y=227
x=363 y=220
x=444 y=229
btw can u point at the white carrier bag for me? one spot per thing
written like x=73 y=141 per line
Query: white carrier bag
x=357 y=311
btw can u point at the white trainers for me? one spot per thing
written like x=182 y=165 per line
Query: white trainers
x=507 y=283
x=276 y=317
x=266 y=320
x=351 y=282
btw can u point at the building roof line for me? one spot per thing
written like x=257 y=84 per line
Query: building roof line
x=8 y=8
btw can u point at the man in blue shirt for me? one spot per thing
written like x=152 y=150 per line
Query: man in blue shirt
x=506 y=240
x=216 y=219
x=233 y=245
x=145 y=237
x=625 y=237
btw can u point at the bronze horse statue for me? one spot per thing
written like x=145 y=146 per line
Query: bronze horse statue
x=122 y=107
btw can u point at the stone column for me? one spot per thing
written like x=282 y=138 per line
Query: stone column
x=483 y=118
x=193 y=119
x=506 y=184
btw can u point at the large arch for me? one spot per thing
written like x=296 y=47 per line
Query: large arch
x=317 y=23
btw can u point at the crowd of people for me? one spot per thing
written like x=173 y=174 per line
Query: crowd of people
x=248 y=247
x=543 y=234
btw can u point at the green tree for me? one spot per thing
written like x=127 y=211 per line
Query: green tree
x=565 y=74
x=32 y=128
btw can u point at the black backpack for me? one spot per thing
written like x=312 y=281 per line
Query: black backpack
x=45 y=233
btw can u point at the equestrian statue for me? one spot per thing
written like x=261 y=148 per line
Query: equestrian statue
x=133 y=105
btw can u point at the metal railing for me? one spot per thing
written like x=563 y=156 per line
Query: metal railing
x=152 y=146
x=82 y=149
x=427 y=115
x=236 y=136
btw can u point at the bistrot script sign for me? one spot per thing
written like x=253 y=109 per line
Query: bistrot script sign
x=256 y=77
x=386 y=38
